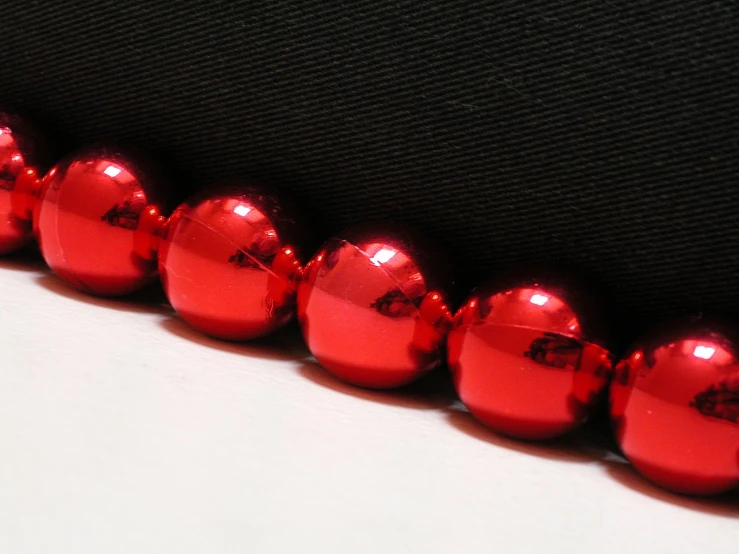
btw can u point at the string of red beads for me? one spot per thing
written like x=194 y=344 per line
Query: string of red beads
x=530 y=356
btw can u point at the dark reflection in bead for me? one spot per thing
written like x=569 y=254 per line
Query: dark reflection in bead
x=555 y=350
x=395 y=303
x=719 y=400
x=123 y=215
x=675 y=407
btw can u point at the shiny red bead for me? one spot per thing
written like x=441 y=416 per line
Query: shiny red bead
x=230 y=262
x=97 y=221
x=372 y=307
x=675 y=408
x=529 y=360
x=20 y=147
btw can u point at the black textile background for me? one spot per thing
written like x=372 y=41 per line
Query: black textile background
x=595 y=134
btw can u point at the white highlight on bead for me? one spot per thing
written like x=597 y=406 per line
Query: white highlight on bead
x=383 y=255
x=539 y=299
x=112 y=171
x=242 y=210
x=704 y=352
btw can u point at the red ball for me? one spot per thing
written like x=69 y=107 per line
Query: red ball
x=529 y=360
x=675 y=407
x=21 y=146
x=230 y=264
x=97 y=220
x=371 y=307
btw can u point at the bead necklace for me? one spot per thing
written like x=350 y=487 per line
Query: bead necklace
x=530 y=355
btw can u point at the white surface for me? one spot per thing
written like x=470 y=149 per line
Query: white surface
x=123 y=431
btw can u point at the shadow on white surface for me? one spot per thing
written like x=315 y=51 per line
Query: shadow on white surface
x=424 y=394
x=27 y=259
x=284 y=345
x=593 y=444
x=726 y=505
x=573 y=448
x=150 y=299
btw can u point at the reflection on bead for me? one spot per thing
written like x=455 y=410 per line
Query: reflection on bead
x=20 y=147
x=675 y=407
x=87 y=221
x=372 y=307
x=230 y=263
x=528 y=358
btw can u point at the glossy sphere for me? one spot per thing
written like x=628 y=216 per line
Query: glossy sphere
x=371 y=307
x=528 y=360
x=675 y=408
x=95 y=221
x=229 y=263
x=20 y=146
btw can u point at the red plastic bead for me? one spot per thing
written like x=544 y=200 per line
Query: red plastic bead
x=20 y=147
x=675 y=408
x=97 y=219
x=529 y=360
x=230 y=264
x=372 y=307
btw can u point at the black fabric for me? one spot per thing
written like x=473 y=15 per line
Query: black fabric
x=595 y=134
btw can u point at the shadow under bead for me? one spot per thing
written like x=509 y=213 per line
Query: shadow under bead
x=372 y=306
x=530 y=358
x=675 y=406
x=230 y=261
x=21 y=147
x=97 y=220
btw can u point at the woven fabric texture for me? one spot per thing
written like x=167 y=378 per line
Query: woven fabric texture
x=600 y=136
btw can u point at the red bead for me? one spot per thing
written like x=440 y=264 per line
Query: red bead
x=20 y=147
x=97 y=219
x=230 y=264
x=675 y=408
x=371 y=307
x=529 y=360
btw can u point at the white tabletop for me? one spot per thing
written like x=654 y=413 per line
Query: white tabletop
x=125 y=431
